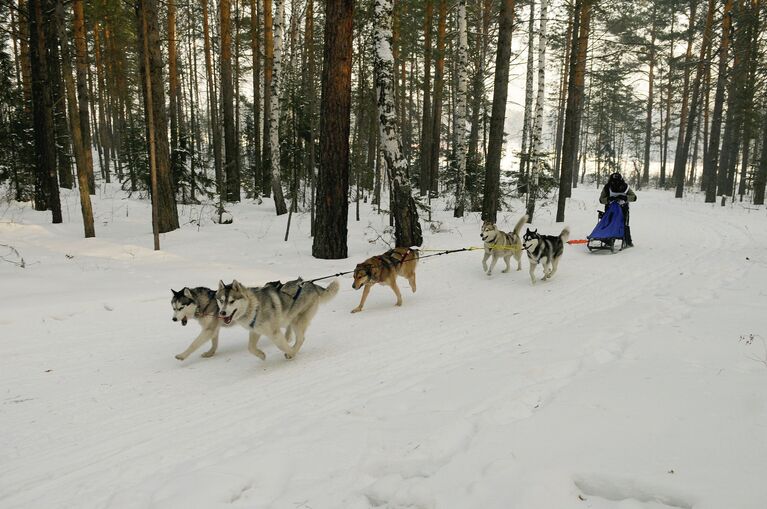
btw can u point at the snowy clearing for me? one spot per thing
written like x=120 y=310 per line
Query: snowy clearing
x=634 y=380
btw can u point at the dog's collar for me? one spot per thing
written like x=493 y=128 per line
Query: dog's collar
x=253 y=322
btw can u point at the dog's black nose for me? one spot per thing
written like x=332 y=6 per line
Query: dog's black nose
x=174 y=319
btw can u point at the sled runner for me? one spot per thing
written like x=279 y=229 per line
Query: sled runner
x=610 y=228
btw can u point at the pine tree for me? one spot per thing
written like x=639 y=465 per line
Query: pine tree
x=333 y=177
x=500 y=92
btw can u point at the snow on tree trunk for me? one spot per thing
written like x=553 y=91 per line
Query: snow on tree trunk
x=524 y=154
x=461 y=119
x=537 y=160
x=407 y=227
x=274 y=118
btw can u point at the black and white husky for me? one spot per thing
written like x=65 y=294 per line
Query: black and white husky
x=546 y=249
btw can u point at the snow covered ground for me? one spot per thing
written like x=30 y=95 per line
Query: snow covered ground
x=621 y=383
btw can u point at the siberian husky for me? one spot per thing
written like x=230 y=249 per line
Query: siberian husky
x=546 y=248
x=499 y=244
x=198 y=304
x=266 y=309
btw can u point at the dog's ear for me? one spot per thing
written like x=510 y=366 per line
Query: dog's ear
x=188 y=293
x=221 y=285
x=237 y=285
x=175 y=293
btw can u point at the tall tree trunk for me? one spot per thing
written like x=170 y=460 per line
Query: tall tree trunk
x=104 y=135
x=568 y=142
x=63 y=158
x=669 y=95
x=492 y=194
x=439 y=83
x=152 y=64
x=231 y=160
x=81 y=58
x=751 y=49
x=256 y=49
x=461 y=119
x=407 y=230
x=760 y=178
x=46 y=180
x=677 y=176
x=173 y=90
x=426 y=123
x=274 y=113
x=735 y=104
x=26 y=66
x=706 y=113
x=712 y=155
x=563 y=88
x=580 y=86
x=651 y=83
x=309 y=93
x=537 y=148
x=212 y=100
x=143 y=11
x=74 y=124
x=335 y=110
x=524 y=155
x=266 y=165
x=682 y=151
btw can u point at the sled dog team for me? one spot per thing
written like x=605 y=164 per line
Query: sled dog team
x=266 y=310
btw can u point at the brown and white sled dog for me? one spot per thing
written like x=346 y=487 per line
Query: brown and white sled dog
x=499 y=244
x=198 y=304
x=546 y=249
x=383 y=270
x=264 y=310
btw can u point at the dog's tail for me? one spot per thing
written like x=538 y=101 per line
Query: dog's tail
x=518 y=227
x=328 y=293
x=565 y=235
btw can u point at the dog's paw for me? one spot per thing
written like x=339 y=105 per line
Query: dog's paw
x=356 y=310
x=258 y=353
x=504 y=271
x=180 y=357
x=208 y=354
x=398 y=304
x=289 y=356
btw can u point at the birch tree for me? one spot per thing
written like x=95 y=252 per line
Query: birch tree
x=537 y=148
x=407 y=228
x=524 y=153
x=461 y=118
x=274 y=114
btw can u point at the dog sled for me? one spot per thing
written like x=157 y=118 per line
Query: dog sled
x=610 y=229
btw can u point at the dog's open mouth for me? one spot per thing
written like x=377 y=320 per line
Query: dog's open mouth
x=183 y=321
x=228 y=319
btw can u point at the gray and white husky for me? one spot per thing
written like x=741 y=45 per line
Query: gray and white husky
x=547 y=249
x=198 y=304
x=266 y=309
x=499 y=244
